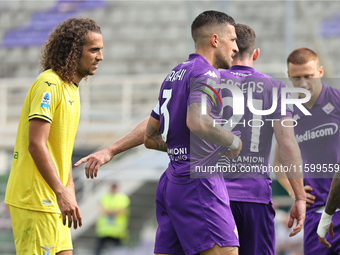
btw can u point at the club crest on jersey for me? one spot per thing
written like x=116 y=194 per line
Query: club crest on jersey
x=328 y=108
x=47 y=249
x=211 y=73
x=46 y=100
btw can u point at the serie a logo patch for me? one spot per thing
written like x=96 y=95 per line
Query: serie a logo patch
x=46 y=100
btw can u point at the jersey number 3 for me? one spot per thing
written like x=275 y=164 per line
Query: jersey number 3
x=167 y=93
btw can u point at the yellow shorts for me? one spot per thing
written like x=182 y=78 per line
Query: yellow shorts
x=39 y=233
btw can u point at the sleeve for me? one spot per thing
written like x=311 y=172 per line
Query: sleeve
x=45 y=98
x=335 y=96
x=202 y=85
x=289 y=107
x=155 y=112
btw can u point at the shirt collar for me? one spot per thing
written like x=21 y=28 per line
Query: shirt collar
x=195 y=55
x=243 y=69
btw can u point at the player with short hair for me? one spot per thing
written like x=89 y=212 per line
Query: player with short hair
x=40 y=190
x=250 y=193
x=318 y=137
x=193 y=214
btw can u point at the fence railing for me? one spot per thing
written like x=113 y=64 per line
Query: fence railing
x=110 y=105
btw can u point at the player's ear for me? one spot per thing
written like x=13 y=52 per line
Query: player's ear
x=288 y=70
x=256 y=54
x=214 y=40
x=321 y=71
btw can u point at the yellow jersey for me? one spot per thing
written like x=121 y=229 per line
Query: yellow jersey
x=57 y=102
x=114 y=226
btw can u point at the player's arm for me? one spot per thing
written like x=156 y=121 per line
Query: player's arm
x=280 y=174
x=283 y=180
x=71 y=189
x=38 y=134
x=203 y=126
x=333 y=202
x=152 y=137
x=290 y=158
x=99 y=158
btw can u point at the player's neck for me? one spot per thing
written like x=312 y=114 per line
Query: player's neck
x=208 y=55
x=77 y=78
x=243 y=62
x=314 y=98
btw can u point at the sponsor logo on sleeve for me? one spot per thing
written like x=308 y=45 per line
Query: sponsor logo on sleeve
x=46 y=100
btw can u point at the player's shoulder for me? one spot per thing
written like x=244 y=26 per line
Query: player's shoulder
x=270 y=81
x=48 y=80
x=332 y=92
x=332 y=95
x=201 y=68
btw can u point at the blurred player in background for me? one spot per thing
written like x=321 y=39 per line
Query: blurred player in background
x=250 y=193
x=40 y=190
x=319 y=138
x=113 y=220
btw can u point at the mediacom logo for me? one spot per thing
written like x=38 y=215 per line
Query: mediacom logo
x=317 y=132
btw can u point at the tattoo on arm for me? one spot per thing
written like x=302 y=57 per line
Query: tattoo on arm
x=153 y=134
x=216 y=135
x=333 y=200
x=233 y=248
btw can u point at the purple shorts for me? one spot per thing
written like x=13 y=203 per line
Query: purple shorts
x=256 y=228
x=193 y=217
x=311 y=243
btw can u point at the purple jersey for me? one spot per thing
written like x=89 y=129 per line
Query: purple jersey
x=249 y=183
x=319 y=138
x=184 y=85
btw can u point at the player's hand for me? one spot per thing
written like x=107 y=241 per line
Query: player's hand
x=229 y=153
x=94 y=162
x=323 y=240
x=297 y=212
x=325 y=225
x=310 y=197
x=69 y=210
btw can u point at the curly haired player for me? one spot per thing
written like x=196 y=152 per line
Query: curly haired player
x=40 y=191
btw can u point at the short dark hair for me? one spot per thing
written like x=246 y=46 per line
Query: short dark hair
x=64 y=46
x=209 y=18
x=246 y=40
x=301 y=56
